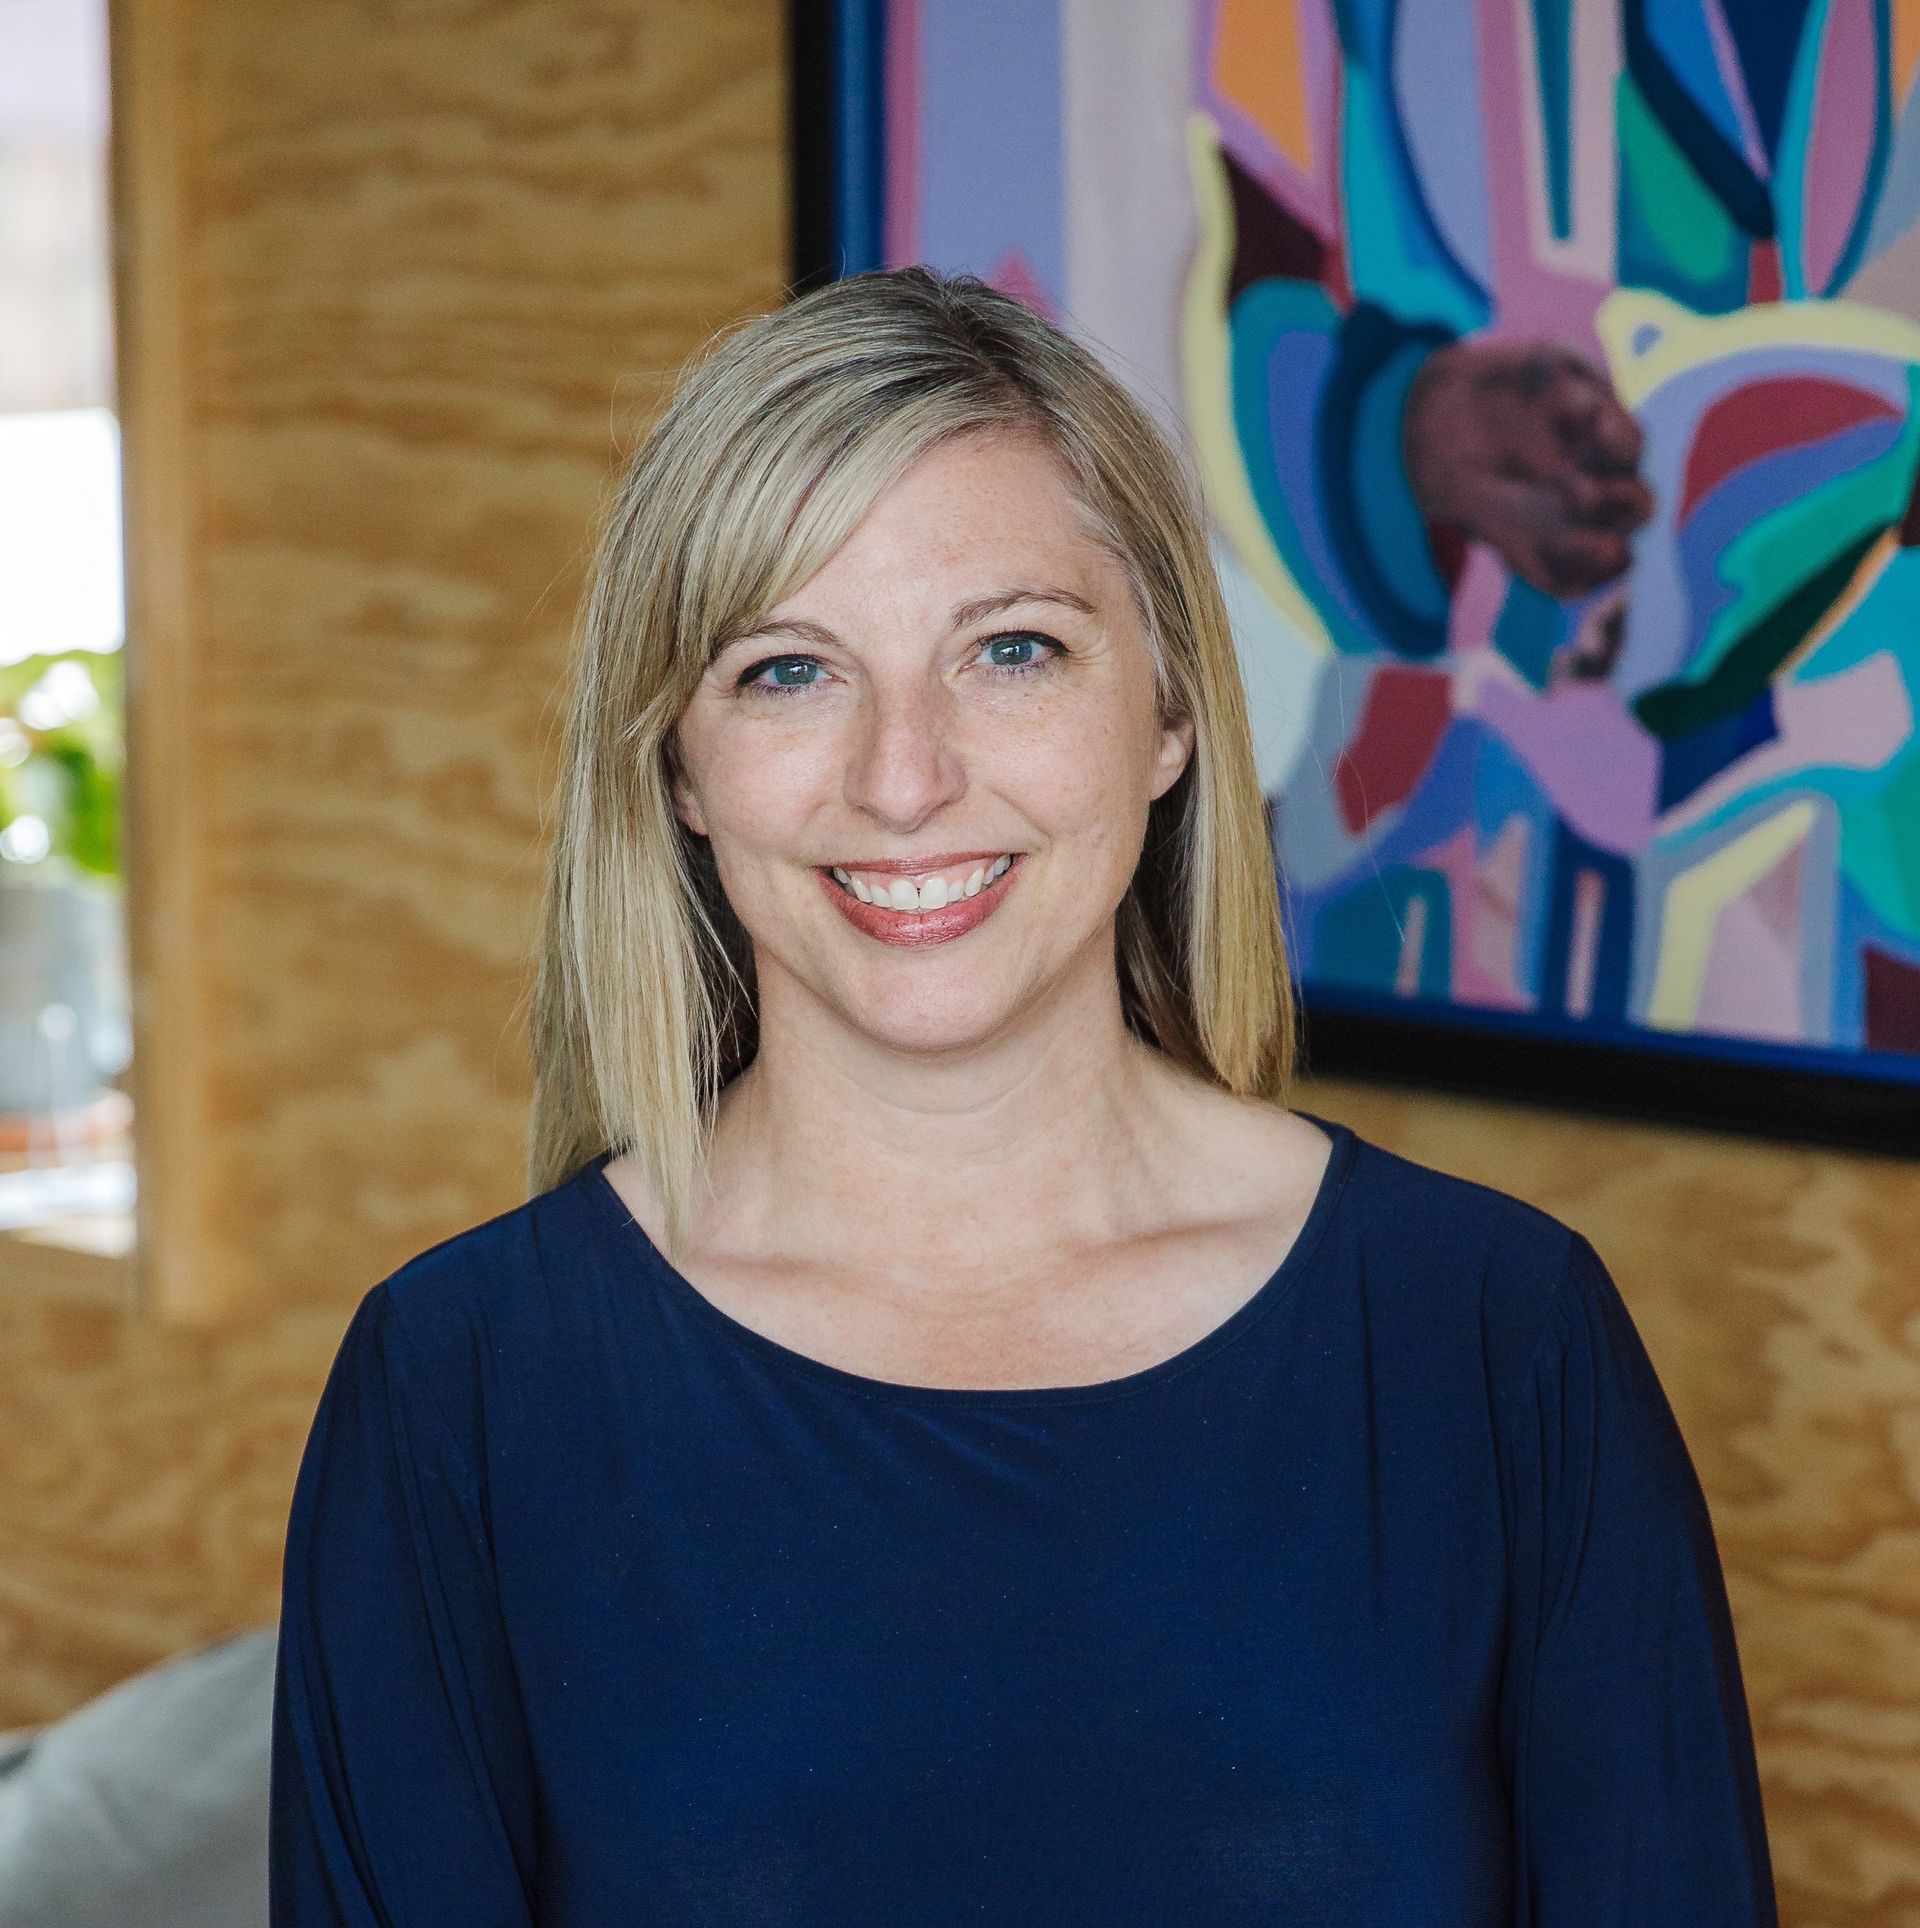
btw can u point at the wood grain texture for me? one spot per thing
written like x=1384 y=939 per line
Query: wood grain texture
x=167 y=772
x=398 y=282
x=441 y=259
x=406 y=273
x=145 y=1474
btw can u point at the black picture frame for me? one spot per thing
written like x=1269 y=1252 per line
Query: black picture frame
x=1802 y=1095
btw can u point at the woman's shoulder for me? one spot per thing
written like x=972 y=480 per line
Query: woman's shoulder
x=1410 y=1195
x=483 y=1259
x=1467 y=1255
x=474 y=1318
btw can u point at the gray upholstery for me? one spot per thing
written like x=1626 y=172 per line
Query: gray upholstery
x=147 y=1807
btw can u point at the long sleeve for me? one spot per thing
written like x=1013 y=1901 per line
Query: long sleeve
x=402 y=1788
x=1625 y=1729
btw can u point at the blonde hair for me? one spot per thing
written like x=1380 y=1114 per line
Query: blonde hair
x=770 y=450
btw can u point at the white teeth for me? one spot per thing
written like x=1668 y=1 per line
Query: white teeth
x=935 y=894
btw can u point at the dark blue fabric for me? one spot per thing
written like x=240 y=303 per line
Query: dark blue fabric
x=1392 y=1601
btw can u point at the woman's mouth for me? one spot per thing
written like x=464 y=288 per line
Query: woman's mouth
x=932 y=892
x=929 y=908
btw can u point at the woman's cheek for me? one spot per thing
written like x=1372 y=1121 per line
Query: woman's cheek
x=1081 y=772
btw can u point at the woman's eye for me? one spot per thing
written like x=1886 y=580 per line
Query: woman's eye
x=1012 y=653
x=778 y=668
x=1022 y=639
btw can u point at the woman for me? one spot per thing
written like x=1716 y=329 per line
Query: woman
x=945 y=1442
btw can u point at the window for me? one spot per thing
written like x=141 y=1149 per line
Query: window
x=66 y=1172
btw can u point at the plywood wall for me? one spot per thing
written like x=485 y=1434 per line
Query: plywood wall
x=399 y=275
x=400 y=279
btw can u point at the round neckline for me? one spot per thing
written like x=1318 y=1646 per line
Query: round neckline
x=593 y=1179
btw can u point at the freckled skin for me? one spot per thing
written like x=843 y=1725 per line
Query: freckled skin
x=911 y=741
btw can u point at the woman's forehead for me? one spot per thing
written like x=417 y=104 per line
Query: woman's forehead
x=1001 y=488
x=963 y=526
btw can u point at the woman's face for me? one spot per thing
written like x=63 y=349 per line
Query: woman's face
x=965 y=681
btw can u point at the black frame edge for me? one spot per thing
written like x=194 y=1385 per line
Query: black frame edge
x=1695 y=1091
x=813 y=147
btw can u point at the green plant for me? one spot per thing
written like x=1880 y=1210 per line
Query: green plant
x=62 y=757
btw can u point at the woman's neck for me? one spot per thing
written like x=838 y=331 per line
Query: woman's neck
x=1056 y=1133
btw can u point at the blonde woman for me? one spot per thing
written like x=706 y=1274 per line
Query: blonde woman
x=944 y=1442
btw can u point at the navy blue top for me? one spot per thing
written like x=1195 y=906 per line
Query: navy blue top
x=1392 y=1600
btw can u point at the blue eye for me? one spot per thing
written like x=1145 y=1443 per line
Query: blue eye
x=789 y=673
x=1021 y=639
x=749 y=679
x=778 y=664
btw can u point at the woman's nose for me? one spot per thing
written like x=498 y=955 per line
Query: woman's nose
x=906 y=759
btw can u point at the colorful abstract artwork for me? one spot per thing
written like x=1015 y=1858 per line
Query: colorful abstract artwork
x=1551 y=369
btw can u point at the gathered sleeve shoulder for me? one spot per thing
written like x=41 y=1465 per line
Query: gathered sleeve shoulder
x=402 y=1787
x=1624 y=1721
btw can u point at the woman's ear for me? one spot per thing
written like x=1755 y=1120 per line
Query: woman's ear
x=1176 y=747
x=686 y=806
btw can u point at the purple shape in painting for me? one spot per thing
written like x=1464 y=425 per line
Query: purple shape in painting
x=991 y=188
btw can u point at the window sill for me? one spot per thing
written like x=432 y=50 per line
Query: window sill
x=88 y=1259
x=78 y=1241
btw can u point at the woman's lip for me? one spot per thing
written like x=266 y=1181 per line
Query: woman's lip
x=926 y=866
x=910 y=929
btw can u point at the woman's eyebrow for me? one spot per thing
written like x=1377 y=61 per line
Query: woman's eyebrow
x=963 y=615
x=979 y=608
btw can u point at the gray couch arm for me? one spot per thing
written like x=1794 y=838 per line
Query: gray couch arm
x=148 y=1804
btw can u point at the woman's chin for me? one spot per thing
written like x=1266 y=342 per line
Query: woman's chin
x=919 y=1025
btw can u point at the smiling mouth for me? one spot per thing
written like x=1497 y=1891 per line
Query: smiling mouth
x=935 y=892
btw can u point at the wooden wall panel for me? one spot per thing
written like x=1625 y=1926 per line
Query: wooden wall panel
x=439 y=258
x=398 y=277
x=145 y=1472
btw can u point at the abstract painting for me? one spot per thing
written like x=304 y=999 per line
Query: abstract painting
x=1550 y=368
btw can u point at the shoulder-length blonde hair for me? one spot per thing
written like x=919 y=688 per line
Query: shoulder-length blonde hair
x=772 y=447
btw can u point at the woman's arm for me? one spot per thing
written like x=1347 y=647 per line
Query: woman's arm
x=402 y=1782
x=1624 y=1723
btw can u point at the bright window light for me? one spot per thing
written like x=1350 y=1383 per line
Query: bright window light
x=60 y=580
